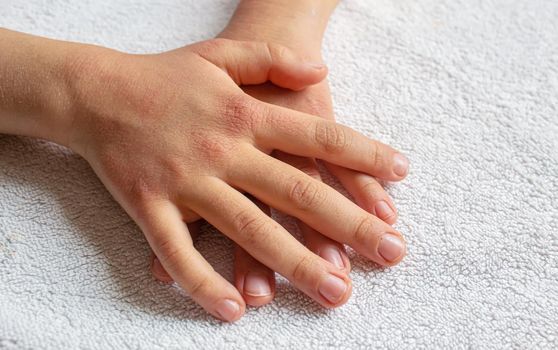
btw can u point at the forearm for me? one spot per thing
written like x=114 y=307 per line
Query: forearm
x=38 y=75
x=35 y=97
x=298 y=24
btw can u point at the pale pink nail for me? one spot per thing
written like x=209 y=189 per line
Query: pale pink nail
x=333 y=255
x=400 y=164
x=332 y=288
x=256 y=285
x=391 y=247
x=383 y=210
x=228 y=309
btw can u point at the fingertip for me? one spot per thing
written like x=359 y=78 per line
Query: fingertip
x=335 y=289
x=159 y=271
x=385 y=210
x=346 y=260
x=391 y=248
x=347 y=295
x=253 y=280
x=256 y=287
x=258 y=301
x=230 y=310
x=313 y=73
x=169 y=238
x=317 y=72
x=298 y=75
x=400 y=165
x=367 y=192
x=336 y=255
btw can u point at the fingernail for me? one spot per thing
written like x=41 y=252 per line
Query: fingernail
x=228 y=309
x=391 y=247
x=333 y=255
x=158 y=269
x=256 y=285
x=332 y=288
x=383 y=210
x=316 y=65
x=400 y=164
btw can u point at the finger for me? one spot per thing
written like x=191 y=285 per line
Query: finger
x=251 y=62
x=240 y=219
x=157 y=269
x=367 y=192
x=318 y=205
x=306 y=135
x=325 y=247
x=254 y=280
x=168 y=237
x=328 y=249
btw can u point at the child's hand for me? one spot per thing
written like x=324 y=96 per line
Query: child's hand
x=299 y=25
x=174 y=138
x=255 y=281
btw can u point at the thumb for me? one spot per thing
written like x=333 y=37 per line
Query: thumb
x=251 y=62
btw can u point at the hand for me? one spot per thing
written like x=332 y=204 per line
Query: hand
x=316 y=100
x=174 y=138
x=286 y=22
x=254 y=280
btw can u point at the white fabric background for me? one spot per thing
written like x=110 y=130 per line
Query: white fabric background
x=468 y=89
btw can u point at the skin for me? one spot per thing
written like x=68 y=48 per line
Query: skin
x=174 y=138
x=299 y=25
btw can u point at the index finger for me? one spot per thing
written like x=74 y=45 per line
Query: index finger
x=307 y=135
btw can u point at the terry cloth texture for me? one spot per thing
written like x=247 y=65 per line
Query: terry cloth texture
x=467 y=89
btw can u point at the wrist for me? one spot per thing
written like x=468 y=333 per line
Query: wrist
x=308 y=47
x=37 y=86
x=299 y=25
x=90 y=73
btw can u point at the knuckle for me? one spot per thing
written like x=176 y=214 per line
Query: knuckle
x=212 y=148
x=246 y=221
x=139 y=189
x=375 y=155
x=276 y=51
x=240 y=114
x=252 y=230
x=332 y=138
x=303 y=269
x=143 y=195
x=306 y=194
x=170 y=255
x=199 y=286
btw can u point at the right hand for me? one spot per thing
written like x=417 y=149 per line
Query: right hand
x=174 y=138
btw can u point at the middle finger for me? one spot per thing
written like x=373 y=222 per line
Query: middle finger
x=290 y=190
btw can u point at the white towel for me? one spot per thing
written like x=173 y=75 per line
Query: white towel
x=467 y=89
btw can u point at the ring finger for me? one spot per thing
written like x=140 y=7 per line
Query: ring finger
x=290 y=190
x=268 y=242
